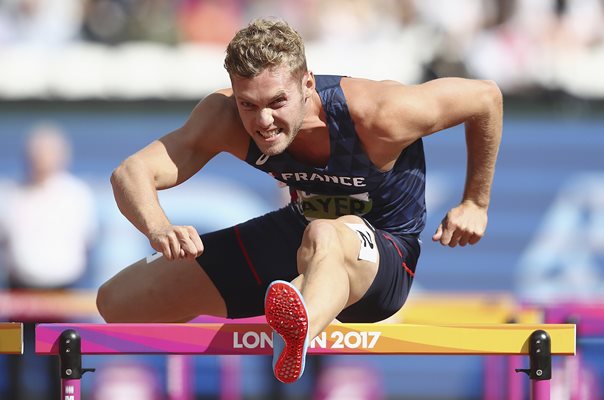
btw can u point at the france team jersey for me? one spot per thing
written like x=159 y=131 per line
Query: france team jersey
x=350 y=184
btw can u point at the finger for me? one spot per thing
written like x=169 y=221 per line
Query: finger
x=162 y=246
x=188 y=247
x=174 y=247
x=475 y=238
x=455 y=238
x=445 y=238
x=437 y=235
x=195 y=246
x=464 y=240
x=196 y=239
x=198 y=245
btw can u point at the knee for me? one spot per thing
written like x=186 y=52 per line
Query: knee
x=107 y=309
x=320 y=239
x=320 y=234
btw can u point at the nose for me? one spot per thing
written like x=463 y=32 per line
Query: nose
x=265 y=118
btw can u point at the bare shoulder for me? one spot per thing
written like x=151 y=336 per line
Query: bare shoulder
x=215 y=126
x=404 y=113
x=377 y=108
x=365 y=97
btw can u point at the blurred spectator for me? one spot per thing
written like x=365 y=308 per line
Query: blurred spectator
x=301 y=14
x=106 y=21
x=48 y=221
x=209 y=21
x=527 y=52
x=47 y=225
x=119 y=21
x=40 y=22
x=351 y=21
x=526 y=46
x=454 y=26
x=153 y=20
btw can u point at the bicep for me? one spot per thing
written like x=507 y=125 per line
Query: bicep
x=421 y=110
x=210 y=129
x=174 y=158
x=180 y=154
x=451 y=101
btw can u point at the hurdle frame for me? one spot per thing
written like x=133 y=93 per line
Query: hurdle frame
x=538 y=341
x=11 y=338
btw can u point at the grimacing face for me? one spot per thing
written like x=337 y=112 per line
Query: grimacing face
x=272 y=107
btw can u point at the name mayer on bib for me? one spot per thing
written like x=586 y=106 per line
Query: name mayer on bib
x=316 y=206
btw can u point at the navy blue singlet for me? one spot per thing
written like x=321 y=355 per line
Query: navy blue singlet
x=350 y=183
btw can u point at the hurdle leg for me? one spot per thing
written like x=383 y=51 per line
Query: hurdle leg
x=179 y=370
x=540 y=370
x=70 y=354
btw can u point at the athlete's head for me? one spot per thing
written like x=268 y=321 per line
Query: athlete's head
x=270 y=80
x=265 y=43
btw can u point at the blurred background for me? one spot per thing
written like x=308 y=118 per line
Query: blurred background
x=84 y=83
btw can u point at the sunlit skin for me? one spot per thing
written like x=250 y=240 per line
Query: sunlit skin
x=282 y=112
x=273 y=106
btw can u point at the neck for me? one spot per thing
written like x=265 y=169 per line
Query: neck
x=311 y=145
x=314 y=116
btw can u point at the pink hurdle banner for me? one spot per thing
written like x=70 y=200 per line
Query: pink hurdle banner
x=227 y=339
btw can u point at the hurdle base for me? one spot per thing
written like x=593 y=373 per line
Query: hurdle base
x=540 y=368
x=70 y=358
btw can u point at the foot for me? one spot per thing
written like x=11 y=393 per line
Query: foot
x=286 y=314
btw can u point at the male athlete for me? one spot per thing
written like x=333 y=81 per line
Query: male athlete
x=350 y=150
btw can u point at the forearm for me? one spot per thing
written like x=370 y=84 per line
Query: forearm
x=483 y=136
x=136 y=196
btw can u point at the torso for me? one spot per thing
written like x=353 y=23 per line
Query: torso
x=337 y=175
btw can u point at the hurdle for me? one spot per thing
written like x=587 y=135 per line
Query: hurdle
x=538 y=341
x=11 y=338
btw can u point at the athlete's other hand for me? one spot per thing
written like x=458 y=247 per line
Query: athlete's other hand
x=464 y=224
x=177 y=242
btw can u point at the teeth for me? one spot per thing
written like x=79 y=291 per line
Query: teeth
x=270 y=134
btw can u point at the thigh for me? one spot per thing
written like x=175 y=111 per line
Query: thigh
x=244 y=259
x=392 y=282
x=155 y=289
x=360 y=252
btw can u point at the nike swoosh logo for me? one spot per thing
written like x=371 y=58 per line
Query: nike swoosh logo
x=262 y=159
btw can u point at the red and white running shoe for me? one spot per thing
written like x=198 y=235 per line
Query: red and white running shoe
x=286 y=313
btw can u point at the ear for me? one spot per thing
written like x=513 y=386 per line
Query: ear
x=308 y=84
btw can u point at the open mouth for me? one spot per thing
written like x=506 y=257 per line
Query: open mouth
x=271 y=133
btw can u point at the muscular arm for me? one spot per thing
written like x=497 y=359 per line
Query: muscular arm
x=479 y=105
x=165 y=163
x=467 y=222
x=136 y=181
x=404 y=114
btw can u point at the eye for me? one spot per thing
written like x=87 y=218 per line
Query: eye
x=246 y=105
x=278 y=103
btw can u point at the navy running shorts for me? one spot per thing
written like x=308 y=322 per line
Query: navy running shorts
x=244 y=259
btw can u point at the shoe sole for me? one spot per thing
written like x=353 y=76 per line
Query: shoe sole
x=286 y=314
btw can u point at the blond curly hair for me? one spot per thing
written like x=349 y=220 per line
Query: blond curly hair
x=265 y=43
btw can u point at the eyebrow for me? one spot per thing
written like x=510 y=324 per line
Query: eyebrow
x=277 y=96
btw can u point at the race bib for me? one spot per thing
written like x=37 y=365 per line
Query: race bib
x=369 y=250
x=316 y=206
